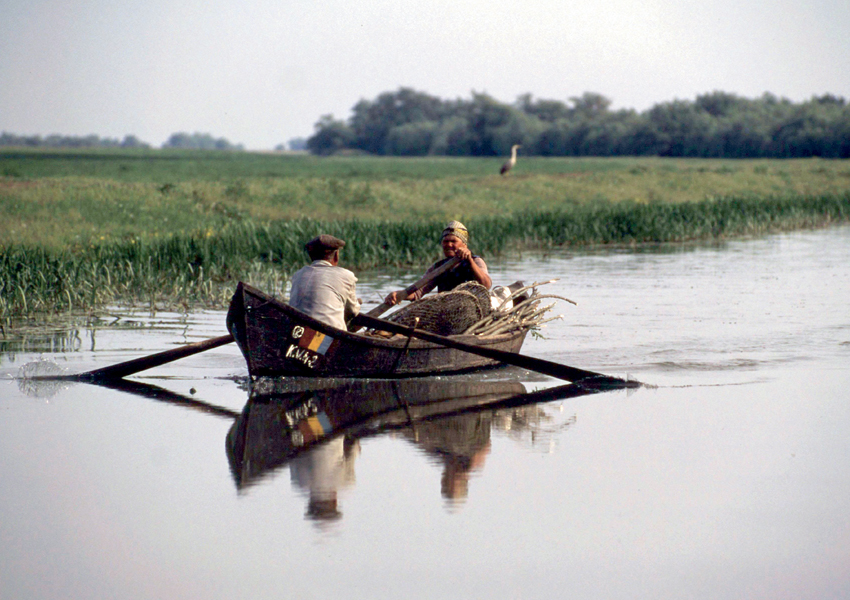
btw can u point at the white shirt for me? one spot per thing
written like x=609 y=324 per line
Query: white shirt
x=325 y=292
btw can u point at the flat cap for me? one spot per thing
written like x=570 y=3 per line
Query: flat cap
x=324 y=242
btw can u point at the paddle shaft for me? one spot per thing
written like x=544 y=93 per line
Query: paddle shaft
x=526 y=362
x=131 y=367
x=414 y=287
x=425 y=280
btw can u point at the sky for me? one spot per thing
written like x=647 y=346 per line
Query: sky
x=261 y=72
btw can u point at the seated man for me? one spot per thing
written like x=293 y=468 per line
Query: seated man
x=322 y=289
x=473 y=268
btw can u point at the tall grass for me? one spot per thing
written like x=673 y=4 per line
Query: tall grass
x=200 y=269
x=152 y=201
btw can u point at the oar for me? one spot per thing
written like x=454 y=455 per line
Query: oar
x=526 y=362
x=136 y=365
x=414 y=287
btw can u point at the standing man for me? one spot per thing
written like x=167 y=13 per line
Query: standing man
x=322 y=289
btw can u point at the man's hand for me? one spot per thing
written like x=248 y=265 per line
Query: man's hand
x=392 y=298
x=463 y=253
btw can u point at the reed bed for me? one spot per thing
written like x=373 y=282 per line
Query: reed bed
x=200 y=269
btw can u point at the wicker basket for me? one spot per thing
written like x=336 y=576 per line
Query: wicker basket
x=447 y=313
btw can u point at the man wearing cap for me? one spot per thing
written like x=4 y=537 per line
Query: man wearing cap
x=472 y=268
x=322 y=289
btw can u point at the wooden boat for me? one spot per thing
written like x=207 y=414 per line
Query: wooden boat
x=278 y=340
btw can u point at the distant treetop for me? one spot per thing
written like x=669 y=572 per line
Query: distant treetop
x=716 y=124
x=69 y=141
x=199 y=141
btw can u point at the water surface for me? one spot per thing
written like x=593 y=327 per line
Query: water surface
x=727 y=476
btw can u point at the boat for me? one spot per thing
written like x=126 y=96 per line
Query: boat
x=278 y=340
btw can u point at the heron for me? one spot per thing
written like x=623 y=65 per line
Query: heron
x=510 y=163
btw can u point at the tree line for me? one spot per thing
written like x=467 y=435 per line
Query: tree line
x=717 y=124
x=70 y=141
x=181 y=140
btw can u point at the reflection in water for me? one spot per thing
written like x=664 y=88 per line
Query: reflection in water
x=461 y=444
x=68 y=334
x=533 y=425
x=52 y=342
x=322 y=472
x=40 y=379
x=316 y=432
x=731 y=475
x=315 y=426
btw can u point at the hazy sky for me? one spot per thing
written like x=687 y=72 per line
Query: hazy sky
x=259 y=72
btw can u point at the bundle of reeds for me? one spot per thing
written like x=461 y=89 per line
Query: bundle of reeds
x=521 y=310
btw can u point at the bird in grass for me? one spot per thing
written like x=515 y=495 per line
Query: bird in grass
x=509 y=164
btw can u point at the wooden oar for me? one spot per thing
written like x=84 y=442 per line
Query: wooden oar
x=526 y=362
x=136 y=365
x=414 y=287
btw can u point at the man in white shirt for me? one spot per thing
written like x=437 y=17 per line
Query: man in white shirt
x=322 y=289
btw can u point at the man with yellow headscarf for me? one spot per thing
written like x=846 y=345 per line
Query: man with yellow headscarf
x=454 y=240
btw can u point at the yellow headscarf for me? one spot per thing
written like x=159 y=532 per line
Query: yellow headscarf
x=456 y=228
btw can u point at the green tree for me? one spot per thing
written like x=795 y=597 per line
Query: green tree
x=198 y=141
x=452 y=138
x=411 y=139
x=589 y=105
x=331 y=136
x=683 y=129
x=372 y=120
x=547 y=111
x=815 y=128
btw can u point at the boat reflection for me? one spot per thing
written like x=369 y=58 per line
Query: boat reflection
x=316 y=432
x=314 y=426
x=460 y=444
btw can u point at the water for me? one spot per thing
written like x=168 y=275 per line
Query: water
x=728 y=476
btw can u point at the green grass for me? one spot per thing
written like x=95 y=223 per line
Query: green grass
x=63 y=199
x=81 y=231
x=196 y=165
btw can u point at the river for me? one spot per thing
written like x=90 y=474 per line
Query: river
x=727 y=475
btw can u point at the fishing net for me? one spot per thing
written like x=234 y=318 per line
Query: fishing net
x=447 y=313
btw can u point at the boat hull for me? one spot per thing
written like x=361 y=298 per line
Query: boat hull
x=278 y=340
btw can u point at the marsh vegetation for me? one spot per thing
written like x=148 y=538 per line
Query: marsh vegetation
x=84 y=230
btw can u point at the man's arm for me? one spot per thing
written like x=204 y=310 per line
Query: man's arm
x=399 y=296
x=479 y=270
x=352 y=302
x=477 y=266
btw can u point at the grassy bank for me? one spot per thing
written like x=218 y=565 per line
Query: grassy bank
x=58 y=200
x=81 y=231
x=200 y=270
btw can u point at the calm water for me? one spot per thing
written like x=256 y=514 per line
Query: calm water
x=728 y=476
